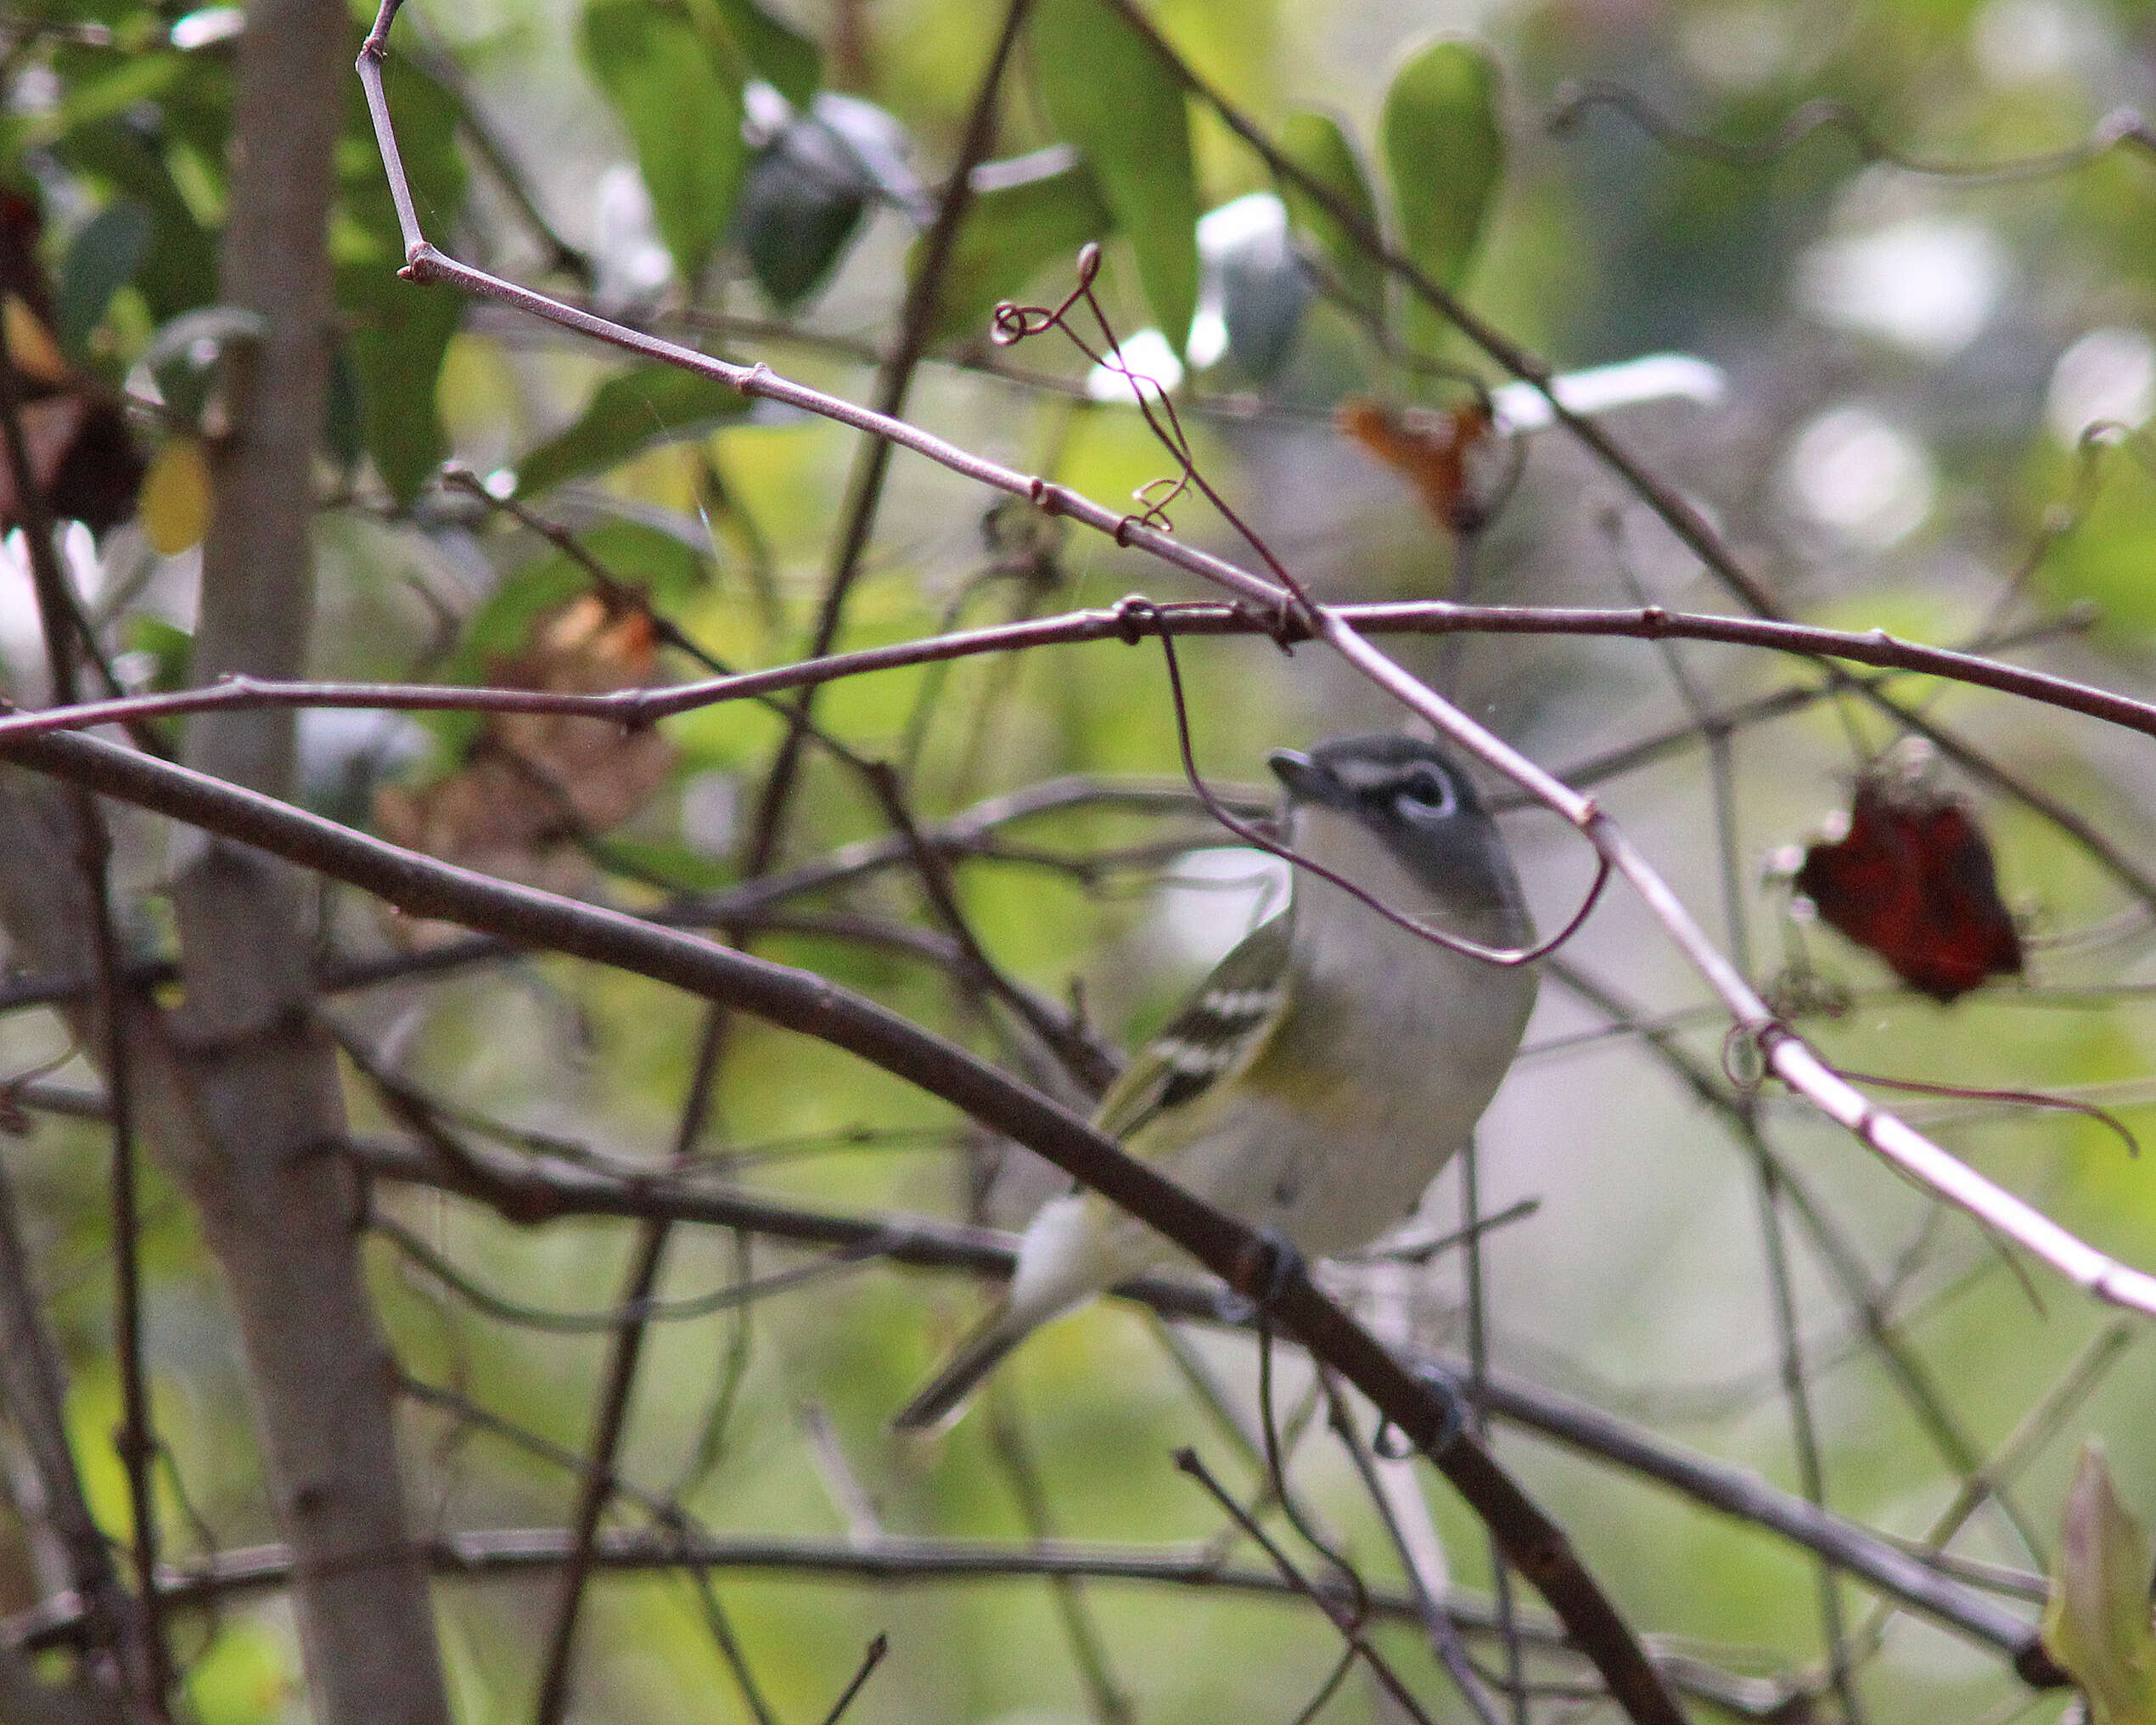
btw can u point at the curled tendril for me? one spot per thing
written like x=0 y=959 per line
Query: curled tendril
x=1132 y=613
x=1743 y=1055
x=1013 y=323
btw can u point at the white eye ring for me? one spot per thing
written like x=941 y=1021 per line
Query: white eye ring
x=1413 y=801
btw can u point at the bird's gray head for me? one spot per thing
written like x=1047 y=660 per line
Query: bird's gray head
x=1422 y=810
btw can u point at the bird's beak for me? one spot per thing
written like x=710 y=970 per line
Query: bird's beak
x=1304 y=779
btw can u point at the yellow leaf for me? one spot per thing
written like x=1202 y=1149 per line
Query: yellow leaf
x=174 y=503
x=2097 y=1622
x=31 y=345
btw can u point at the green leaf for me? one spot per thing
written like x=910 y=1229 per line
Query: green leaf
x=179 y=267
x=631 y=413
x=169 y=647
x=787 y=59
x=1446 y=155
x=1110 y=94
x=102 y=259
x=1315 y=143
x=679 y=95
x=1014 y=228
x=808 y=188
x=2096 y=1623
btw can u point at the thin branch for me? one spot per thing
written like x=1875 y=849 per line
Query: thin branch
x=812 y=1004
x=892 y=1560
x=636 y=1311
x=2120 y=127
x=146 y=1661
x=523 y=1191
x=33 y=1388
x=1123 y=622
x=1345 y=1614
x=894 y=383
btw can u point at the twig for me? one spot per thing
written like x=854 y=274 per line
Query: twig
x=894 y=382
x=1426 y=1589
x=812 y=1004
x=33 y=1386
x=634 y=1311
x=896 y=1560
x=869 y=1661
x=642 y=707
x=1342 y=1619
x=526 y=1194
x=1089 y=1649
x=2121 y=127
x=632 y=1326
x=147 y=1662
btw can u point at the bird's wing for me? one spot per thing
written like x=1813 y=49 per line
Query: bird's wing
x=1219 y=1030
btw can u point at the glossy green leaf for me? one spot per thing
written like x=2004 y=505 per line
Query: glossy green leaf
x=2096 y=1623
x=1317 y=145
x=1111 y=95
x=679 y=99
x=399 y=332
x=1013 y=229
x=102 y=259
x=785 y=59
x=631 y=412
x=1445 y=155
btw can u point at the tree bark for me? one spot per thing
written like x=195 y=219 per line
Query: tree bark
x=278 y=1213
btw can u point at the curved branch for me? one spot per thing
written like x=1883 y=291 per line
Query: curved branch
x=524 y=1191
x=796 y=1000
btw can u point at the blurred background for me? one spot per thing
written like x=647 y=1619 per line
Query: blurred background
x=1904 y=399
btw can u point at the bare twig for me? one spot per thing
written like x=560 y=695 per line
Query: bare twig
x=812 y=1004
x=643 y=706
x=1347 y=1621
x=2121 y=127
x=894 y=383
x=526 y=1193
x=632 y=1326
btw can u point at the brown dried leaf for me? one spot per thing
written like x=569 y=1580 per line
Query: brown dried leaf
x=534 y=785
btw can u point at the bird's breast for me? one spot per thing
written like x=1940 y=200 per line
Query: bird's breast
x=1370 y=1085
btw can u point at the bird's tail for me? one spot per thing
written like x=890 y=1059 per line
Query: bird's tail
x=944 y=1397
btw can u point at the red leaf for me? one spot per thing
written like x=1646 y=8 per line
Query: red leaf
x=81 y=454
x=1913 y=880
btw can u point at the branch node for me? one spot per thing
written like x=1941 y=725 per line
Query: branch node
x=1132 y=613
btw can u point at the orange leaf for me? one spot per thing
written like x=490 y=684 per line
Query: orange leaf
x=1445 y=456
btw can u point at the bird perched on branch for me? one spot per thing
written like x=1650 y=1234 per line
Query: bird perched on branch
x=1329 y=1067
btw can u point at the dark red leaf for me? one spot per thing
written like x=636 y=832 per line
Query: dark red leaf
x=1913 y=880
x=81 y=454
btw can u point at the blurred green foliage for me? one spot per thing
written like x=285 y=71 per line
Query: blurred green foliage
x=1897 y=449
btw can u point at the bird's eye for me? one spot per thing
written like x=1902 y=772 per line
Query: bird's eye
x=1424 y=797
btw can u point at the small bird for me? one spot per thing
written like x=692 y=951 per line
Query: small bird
x=1328 y=1068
